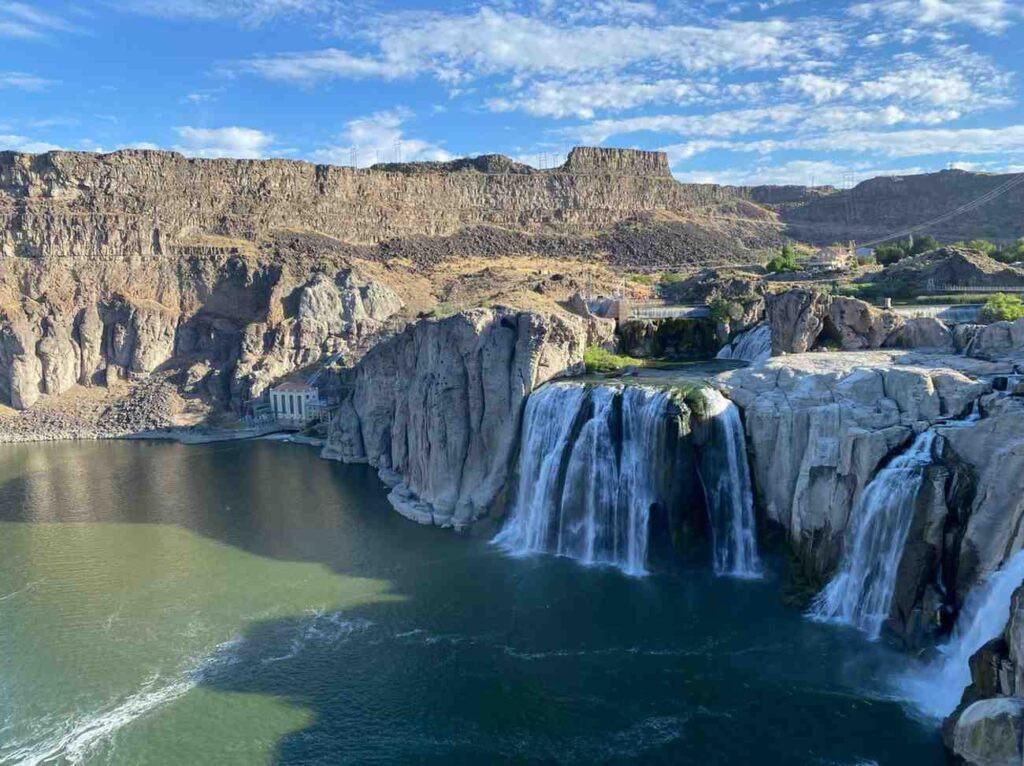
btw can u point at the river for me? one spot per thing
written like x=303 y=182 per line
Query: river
x=248 y=603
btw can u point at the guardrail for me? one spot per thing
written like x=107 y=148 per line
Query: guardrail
x=933 y=288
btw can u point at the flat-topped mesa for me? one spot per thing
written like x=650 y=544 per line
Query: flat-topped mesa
x=595 y=159
x=134 y=203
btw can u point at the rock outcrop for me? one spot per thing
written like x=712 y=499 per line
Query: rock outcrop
x=805 y=320
x=923 y=333
x=946 y=267
x=437 y=408
x=819 y=425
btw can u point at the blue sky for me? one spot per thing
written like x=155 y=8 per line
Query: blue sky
x=736 y=91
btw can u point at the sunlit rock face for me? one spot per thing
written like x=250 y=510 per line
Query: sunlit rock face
x=437 y=409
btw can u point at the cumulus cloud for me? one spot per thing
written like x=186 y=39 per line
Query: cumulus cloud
x=235 y=142
x=379 y=137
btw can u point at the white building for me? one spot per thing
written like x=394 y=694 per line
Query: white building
x=295 y=404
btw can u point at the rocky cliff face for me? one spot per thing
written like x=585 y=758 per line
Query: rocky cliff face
x=154 y=204
x=880 y=206
x=437 y=409
x=226 y=326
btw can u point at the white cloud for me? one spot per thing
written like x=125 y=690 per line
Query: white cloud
x=793 y=117
x=458 y=47
x=379 y=138
x=795 y=172
x=23 y=81
x=248 y=11
x=326 y=64
x=28 y=22
x=239 y=143
x=918 y=142
x=583 y=99
x=989 y=16
x=12 y=143
x=820 y=89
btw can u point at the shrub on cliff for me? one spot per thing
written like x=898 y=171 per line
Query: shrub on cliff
x=1001 y=307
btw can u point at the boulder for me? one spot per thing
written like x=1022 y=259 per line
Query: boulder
x=999 y=340
x=989 y=733
x=803 y=320
x=924 y=333
x=796 y=318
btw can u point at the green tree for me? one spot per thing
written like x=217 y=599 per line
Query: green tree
x=785 y=261
x=1002 y=307
x=983 y=245
x=924 y=244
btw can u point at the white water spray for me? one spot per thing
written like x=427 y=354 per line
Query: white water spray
x=860 y=593
x=725 y=475
x=936 y=690
x=753 y=345
x=586 y=481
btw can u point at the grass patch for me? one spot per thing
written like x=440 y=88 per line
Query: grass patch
x=598 y=359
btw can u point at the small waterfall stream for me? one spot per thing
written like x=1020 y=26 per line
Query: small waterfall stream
x=753 y=345
x=860 y=593
x=725 y=475
x=588 y=473
x=936 y=689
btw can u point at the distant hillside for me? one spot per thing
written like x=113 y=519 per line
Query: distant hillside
x=880 y=206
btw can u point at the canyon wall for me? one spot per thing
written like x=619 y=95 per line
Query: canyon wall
x=224 y=328
x=135 y=203
x=437 y=409
x=879 y=206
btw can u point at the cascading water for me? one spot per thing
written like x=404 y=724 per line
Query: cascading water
x=753 y=345
x=727 y=486
x=588 y=473
x=937 y=688
x=860 y=594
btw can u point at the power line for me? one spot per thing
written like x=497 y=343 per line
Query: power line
x=965 y=208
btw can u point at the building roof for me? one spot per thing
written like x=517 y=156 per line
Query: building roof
x=294 y=388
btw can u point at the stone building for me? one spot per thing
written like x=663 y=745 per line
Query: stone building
x=295 y=404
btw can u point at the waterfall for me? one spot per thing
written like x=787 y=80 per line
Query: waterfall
x=725 y=475
x=588 y=473
x=937 y=688
x=860 y=593
x=753 y=345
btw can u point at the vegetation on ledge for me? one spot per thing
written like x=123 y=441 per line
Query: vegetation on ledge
x=598 y=359
x=1002 y=307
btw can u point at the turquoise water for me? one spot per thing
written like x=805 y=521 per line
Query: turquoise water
x=249 y=603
